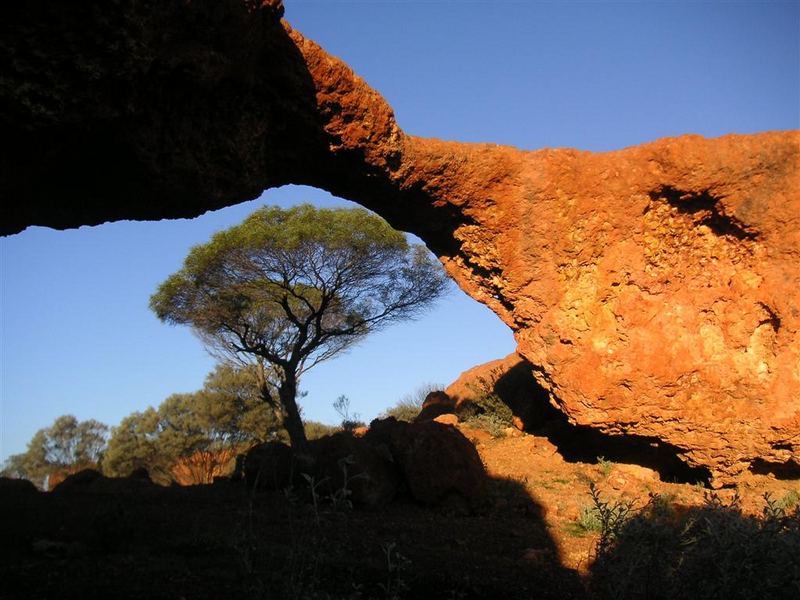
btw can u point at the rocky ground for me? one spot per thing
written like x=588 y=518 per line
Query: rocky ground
x=534 y=538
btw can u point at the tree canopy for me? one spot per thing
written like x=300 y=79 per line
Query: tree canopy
x=191 y=437
x=296 y=287
x=65 y=446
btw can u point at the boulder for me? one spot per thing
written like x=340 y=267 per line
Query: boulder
x=511 y=379
x=435 y=404
x=81 y=480
x=268 y=466
x=350 y=468
x=447 y=419
x=438 y=463
x=16 y=488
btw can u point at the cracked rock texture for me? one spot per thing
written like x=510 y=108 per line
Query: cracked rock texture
x=656 y=289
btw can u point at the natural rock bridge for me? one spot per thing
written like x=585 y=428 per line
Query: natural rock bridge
x=656 y=289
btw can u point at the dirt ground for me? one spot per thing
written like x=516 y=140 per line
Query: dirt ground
x=131 y=540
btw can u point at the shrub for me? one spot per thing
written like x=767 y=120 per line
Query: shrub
x=316 y=430
x=486 y=409
x=588 y=522
x=349 y=422
x=408 y=407
x=714 y=551
x=790 y=500
x=606 y=466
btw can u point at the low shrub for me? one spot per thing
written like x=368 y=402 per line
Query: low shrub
x=408 y=407
x=486 y=409
x=316 y=430
x=711 y=552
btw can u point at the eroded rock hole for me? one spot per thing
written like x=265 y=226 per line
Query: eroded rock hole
x=578 y=443
x=706 y=210
x=780 y=470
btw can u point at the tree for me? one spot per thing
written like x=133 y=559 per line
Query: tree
x=68 y=445
x=134 y=444
x=191 y=437
x=297 y=287
x=205 y=430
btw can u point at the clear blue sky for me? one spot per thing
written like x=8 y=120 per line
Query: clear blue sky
x=77 y=336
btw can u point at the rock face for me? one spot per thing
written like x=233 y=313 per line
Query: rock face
x=512 y=380
x=439 y=465
x=436 y=404
x=655 y=289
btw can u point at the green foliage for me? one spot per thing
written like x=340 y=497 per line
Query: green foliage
x=486 y=409
x=227 y=413
x=16 y=467
x=316 y=430
x=296 y=287
x=587 y=522
x=135 y=444
x=67 y=445
x=714 y=551
x=789 y=501
x=408 y=407
x=606 y=466
x=202 y=429
x=403 y=411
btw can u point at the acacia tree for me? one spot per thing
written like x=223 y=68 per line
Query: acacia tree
x=296 y=287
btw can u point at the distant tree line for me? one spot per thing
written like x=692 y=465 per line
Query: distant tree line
x=189 y=438
x=68 y=445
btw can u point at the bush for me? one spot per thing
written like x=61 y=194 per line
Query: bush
x=410 y=405
x=486 y=409
x=316 y=430
x=714 y=551
x=349 y=422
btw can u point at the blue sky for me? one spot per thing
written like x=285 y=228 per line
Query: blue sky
x=77 y=337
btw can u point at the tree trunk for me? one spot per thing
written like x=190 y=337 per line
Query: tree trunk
x=292 y=421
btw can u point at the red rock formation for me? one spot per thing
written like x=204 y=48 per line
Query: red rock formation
x=655 y=288
x=436 y=403
x=439 y=464
x=511 y=379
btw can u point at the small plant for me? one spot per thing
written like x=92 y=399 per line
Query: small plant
x=409 y=406
x=314 y=485
x=396 y=566
x=789 y=501
x=588 y=522
x=486 y=409
x=340 y=499
x=612 y=515
x=606 y=466
x=349 y=422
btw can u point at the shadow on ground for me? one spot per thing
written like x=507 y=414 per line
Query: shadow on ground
x=129 y=538
x=576 y=443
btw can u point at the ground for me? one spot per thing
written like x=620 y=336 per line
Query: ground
x=135 y=540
